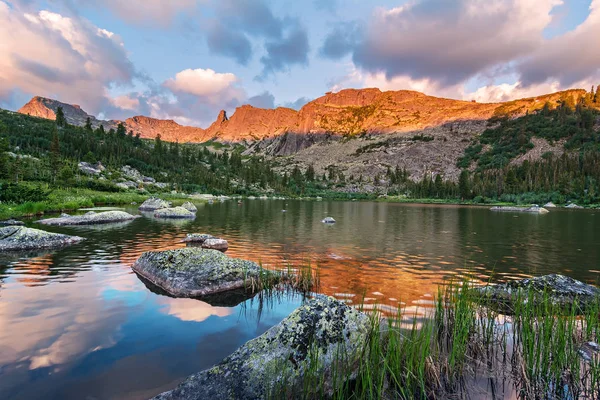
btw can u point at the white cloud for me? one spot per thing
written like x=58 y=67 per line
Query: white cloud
x=68 y=58
x=203 y=82
x=126 y=102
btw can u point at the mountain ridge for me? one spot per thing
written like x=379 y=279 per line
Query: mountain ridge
x=348 y=112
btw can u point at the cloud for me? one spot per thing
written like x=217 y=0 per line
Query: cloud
x=126 y=102
x=326 y=5
x=340 y=42
x=298 y=104
x=148 y=11
x=291 y=49
x=236 y=21
x=203 y=83
x=263 y=100
x=568 y=59
x=55 y=56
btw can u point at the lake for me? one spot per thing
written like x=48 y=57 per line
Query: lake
x=77 y=323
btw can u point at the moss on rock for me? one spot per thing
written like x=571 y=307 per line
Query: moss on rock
x=325 y=337
x=174 y=212
x=90 y=218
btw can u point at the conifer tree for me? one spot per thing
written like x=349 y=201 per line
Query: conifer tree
x=60 y=117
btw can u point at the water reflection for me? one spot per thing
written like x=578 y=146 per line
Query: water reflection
x=78 y=323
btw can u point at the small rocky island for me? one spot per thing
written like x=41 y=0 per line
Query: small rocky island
x=196 y=272
x=312 y=339
x=90 y=218
x=206 y=241
x=20 y=238
x=531 y=210
x=174 y=212
x=153 y=204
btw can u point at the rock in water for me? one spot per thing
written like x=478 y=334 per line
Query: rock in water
x=328 y=220
x=11 y=222
x=550 y=205
x=573 y=206
x=216 y=244
x=18 y=238
x=189 y=206
x=324 y=332
x=153 y=204
x=530 y=210
x=560 y=290
x=90 y=218
x=174 y=212
x=197 y=237
x=196 y=272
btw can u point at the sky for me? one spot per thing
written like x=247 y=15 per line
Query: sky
x=188 y=59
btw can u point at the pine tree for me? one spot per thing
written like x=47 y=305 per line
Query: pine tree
x=464 y=186
x=121 y=131
x=4 y=161
x=54 y=155
x=88 y=125
x=60 y=117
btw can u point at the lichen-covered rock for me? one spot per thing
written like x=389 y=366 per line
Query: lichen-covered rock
x=174 y=212
x=196 y=272
x=325 y=332
x=216 y=244
x=560 y=290
x=153 y=204
x=530 y=210
x=189 y=206
x=197 y=237
x=18 y=238
x=328 y=220
x=90 y=218
x=11 y=222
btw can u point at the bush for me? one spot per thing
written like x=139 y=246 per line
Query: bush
x=17 y=193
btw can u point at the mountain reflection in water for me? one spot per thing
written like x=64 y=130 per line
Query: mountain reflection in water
x=78 y=323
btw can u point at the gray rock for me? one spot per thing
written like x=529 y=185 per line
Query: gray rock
x=11 y=222
x=174 y=212
x=550 y=205
x=531 y=210
x=322 y=332
x=189 y=206
x=197 y=237
x=562 y=291
x=91 y=169
x=328 y=220
x=216 y=244
x=90 y=218
x=132 y=173
x=196 y=272
x=19 y=238
x=153 y=204
x=573 y=206
x=127 y=185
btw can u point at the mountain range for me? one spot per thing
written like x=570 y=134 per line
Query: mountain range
x=348 y=112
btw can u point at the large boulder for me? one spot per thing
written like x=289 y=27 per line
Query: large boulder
x=196 y=272
x=561 y=291
x=174 y=212
x=324 y=338
x=573 y=206
x=91 y=169
x=90 y=218
x=550 y=205
x=328 y=220
x=153 y=204
x=19 y=238
x=189 y=206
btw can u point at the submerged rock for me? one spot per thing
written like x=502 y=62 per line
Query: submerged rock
x=18 y=238
x=531 y=210
x=153 y=204
x=12 y=222
x=216 y=244
x=196 y=272
x=90 y=218
x=328 y=220
x=197 y=237
x=189 y=206
x=324 y=337
x=174 y=212
x=560 y=290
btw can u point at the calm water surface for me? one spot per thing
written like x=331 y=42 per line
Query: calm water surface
x=78 y=323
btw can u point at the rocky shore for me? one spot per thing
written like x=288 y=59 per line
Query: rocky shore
x=530 y=210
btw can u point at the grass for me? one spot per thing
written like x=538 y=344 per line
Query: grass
x=537 y=353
